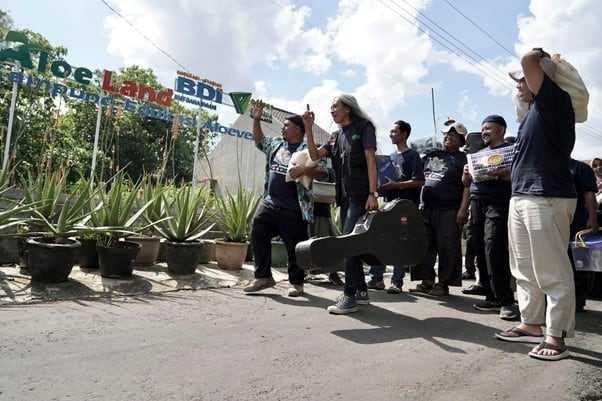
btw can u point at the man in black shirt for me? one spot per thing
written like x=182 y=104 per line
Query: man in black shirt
x=444 y=204
x=489 y=201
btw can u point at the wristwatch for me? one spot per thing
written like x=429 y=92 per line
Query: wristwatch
x=375 y=194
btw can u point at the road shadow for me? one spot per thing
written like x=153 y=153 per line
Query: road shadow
x=385 y=326
x=589 y=321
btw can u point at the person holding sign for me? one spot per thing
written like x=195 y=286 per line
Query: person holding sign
x=404 y=184
x=489 y=202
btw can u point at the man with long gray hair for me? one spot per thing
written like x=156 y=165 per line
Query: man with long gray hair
x=352 y=149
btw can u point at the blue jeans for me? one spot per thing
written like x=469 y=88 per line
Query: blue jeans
x=351 y=211
x=399 y=273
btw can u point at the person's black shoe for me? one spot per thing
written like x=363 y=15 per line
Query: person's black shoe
x=468 y=275
x=474 y=290
x=376 y=284
x=489 y=306
x=335 y=279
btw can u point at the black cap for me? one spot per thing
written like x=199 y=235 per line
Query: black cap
x=298 y=121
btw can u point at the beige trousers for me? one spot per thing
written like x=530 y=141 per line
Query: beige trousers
x=538 y=232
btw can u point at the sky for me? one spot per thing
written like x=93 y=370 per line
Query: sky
x=422 y=61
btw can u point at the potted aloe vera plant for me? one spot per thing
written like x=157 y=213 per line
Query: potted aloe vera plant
x=146 y=233
x=235 y=213
x=114 y=219
x=189 y=215
x=11 y=217
x=56 y=216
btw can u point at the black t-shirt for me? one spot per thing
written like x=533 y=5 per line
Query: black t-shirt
x=346 y=148
x=585 y=181
x=409 y=165
x=443 y=180
x=280 y=192
x=541 y=164
x=321 y=209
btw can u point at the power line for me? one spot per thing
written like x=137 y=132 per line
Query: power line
x=590 y=109
x=584 y=127
x=480 y=62
x=460 y=53
x=480 y=29
x=589 y=130
x=477 y=61
x=144 y=36
x=225 y=103
x=491 y=67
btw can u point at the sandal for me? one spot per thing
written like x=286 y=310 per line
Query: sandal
x=519 y=336
x=561 y=352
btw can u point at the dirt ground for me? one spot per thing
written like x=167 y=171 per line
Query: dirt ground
x=200 y=342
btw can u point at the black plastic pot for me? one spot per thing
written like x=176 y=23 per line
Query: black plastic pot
x=22 y=250
x=88 y=255
x=117 y=261
x=51 y=262
x=182 y=257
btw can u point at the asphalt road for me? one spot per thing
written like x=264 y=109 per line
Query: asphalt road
x=219 y=344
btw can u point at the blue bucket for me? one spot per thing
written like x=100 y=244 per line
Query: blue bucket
x=587 y=251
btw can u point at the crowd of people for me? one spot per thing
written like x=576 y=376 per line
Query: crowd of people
x=517 y=219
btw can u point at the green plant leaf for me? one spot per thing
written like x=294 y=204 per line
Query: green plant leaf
x=188 y=213
x=236 y=213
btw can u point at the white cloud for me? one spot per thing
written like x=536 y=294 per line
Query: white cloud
x=320 y=99
x=220 y=40
x=261 y=89
x=348 y=73
x=374 y=47
x=231 y=39
x=467 y=108
x=390 y=52
x=305 y=50
x=572 y=29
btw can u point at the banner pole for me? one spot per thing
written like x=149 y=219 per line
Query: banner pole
x=11 y=116
x=96 y=137
x=196 y=150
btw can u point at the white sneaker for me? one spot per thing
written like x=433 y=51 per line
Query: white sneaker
x=295 y=290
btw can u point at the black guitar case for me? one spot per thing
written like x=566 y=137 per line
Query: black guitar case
x=393 y=235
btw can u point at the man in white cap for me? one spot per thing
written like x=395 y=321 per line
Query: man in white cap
x=542 y=205
x=444 y=204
